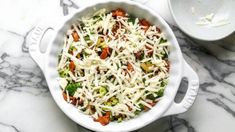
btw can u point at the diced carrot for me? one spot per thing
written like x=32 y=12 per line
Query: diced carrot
x=130 y=67
x=145 y=23
x=104 y=120
x=74 y=100
x=118 y=12
x=75 y=36
x=71 y=66
x=105 y=53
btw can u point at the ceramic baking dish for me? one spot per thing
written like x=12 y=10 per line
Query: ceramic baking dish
x=166 y=106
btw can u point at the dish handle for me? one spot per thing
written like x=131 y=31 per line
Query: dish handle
x=190 y=95
x=38 y=34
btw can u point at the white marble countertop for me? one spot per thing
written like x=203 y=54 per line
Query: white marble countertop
x=27 y=106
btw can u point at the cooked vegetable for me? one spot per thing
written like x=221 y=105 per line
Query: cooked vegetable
x=104 y=120
x=146 y=66
x=131 y=19
x=102 y=91
x=118 y=12
x=105 y=53
x=72 y=66
x=162 y=40
x=130 y=67
x=75 y=36
x=72 y=87
x=145 y=23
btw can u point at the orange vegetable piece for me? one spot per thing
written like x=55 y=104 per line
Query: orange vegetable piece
x=104 y=120
x=130 y=67
x=75 y=36
x=105 y=53
x=118 y=12
x=145 y=23
x=72 y=66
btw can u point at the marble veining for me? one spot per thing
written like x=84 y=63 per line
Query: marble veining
x=26 y=104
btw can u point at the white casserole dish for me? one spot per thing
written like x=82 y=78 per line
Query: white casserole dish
x=166 y=106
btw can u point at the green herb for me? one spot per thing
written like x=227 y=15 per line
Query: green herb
x=72 y=87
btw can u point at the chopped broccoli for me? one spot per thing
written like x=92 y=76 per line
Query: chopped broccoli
x=131 y=19
x=72 y=87
x=103 y=91
x=160 y=92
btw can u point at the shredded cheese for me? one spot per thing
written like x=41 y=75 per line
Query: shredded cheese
x=123 y=75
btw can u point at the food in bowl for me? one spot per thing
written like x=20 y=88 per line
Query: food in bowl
x=113 y=65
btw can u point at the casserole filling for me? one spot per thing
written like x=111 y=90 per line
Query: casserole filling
x=113 y=65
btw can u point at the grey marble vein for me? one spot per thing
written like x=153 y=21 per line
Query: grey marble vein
x=9 y=127
x=221 y=104
x=17 y=78
x=24 y=43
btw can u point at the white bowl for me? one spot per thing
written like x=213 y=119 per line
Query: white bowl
x=179 y=68
x=187 y=13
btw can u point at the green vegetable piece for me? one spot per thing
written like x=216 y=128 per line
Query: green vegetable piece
x=151 y=97
x=144 y=80
x=96 y=18
x=165 y=55
x=72 y=87
x=163 y=83
x=87 y=38
x=162 y=41
x=160 y=93
x=137 y=112
x=107 y=104
x=114 y=101
x=141 y=106
x=63 y=72
x=112 y=118
x=131 y=19
x=119 y=119
x=103 y=91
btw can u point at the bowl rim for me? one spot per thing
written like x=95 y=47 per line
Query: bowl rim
x=177 y=22
x=163 y=104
